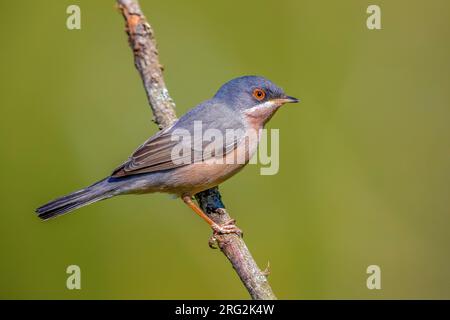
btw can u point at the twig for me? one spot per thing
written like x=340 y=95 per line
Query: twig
x=146 y=60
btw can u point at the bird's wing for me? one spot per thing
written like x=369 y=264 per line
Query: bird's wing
x=167 y=149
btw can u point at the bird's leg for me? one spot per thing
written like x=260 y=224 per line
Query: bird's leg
x=227 y=227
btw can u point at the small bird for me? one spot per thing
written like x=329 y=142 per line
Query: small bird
x=239 y=109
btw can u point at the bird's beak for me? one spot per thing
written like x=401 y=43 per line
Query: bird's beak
x=287 y=99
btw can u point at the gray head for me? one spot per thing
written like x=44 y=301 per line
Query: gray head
x=250 y=91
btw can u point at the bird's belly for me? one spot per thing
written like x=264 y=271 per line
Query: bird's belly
x=197 y=177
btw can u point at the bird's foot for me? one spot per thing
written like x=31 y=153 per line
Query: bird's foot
x=227 y=228
x=213 y=243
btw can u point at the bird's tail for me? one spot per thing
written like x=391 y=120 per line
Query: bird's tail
x=96 y=192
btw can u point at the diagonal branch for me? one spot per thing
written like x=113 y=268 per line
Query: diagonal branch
x=146 y=60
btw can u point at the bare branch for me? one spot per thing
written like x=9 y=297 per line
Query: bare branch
x=146 y=60
x=142 y=41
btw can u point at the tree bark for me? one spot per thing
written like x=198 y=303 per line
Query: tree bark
x=146 y=59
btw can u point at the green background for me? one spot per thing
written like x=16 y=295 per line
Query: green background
x=364 y=158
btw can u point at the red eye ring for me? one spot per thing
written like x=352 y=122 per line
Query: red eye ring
x=259 y=94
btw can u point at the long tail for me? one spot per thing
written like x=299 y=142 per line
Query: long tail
x=96 y=192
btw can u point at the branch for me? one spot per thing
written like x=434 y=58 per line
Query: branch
x=146 y=60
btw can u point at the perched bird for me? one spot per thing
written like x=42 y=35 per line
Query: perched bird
x=238 y=111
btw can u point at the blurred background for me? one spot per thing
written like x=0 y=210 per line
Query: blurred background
x=364 y=158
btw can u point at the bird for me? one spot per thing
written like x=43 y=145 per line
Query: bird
x=184 y=167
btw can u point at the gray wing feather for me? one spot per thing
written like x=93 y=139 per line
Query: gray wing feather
x=156 y=153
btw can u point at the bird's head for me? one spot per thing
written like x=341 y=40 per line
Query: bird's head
x=255 y=97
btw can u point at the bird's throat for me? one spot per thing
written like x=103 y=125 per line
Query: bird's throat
x=260 y=114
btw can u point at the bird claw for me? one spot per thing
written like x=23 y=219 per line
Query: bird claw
x=227 y=228
x=213 y=243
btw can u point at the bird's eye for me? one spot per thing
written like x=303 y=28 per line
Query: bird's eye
x=259 y=94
